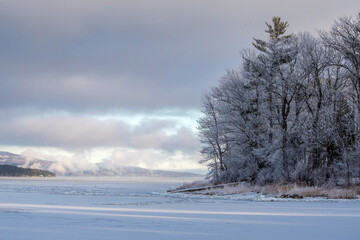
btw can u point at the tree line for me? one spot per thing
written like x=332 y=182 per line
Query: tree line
x=14 y=171
x=290 y=113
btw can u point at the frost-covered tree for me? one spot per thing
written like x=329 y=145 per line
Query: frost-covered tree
x=240 y=102
x=344 y=39
x=313 y=67
x=212 y=138
x=290 y=113
x=275 y=68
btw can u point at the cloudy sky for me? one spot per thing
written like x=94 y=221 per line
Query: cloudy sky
x=121 y=80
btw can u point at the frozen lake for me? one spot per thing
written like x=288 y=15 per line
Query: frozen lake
x=109 y=208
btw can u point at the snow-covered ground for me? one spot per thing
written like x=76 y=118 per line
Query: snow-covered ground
x=108 y=208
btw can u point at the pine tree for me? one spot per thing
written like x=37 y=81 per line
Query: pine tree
x=275 y=68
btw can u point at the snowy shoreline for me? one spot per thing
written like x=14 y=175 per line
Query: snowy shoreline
x=272 y=192
x=255 y=197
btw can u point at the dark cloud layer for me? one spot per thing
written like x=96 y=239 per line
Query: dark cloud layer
x=81 y=55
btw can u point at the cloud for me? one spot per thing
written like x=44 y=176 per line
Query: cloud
x=113 y=159
x=103 y=55
x=184 y=139
x=82 y=132
x=91 y=93
x=155 y=159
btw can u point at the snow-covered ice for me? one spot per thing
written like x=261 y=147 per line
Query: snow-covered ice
x=107 y=208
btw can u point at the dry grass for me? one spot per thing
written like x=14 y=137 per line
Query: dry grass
x=326 y=192
x=282 y=190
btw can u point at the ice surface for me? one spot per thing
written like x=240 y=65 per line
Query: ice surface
x=107 y=208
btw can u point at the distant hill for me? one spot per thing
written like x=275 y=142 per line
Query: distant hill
x=13 y=171
x=7 y=158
